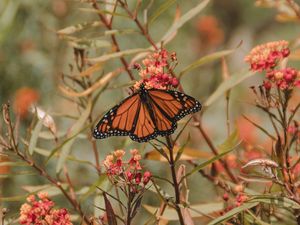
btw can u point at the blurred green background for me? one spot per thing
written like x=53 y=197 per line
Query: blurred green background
x=32 y=55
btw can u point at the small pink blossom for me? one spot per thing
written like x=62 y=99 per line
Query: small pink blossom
x=267 y=56
x=39 y=212
x=155 y=72
x=147 y=177
x=122 y=172
x=283 y=78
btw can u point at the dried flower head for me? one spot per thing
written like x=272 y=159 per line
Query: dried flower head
x=155 y=72
x=40 y=211
x=266 y=56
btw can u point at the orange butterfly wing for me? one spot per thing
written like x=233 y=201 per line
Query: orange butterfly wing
x=169 y=106
x=144 y=129
x=120 y=119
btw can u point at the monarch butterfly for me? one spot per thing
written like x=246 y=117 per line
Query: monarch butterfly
x=146 y=114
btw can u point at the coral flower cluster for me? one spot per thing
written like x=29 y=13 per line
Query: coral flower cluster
x=266 y=57
x=124 y=172
x=155 y=72
x=40 y=211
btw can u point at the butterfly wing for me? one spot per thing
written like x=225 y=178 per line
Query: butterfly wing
x=144 y=129
x=120 y=120
x=168 y=107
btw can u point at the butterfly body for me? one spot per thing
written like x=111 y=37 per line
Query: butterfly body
x=146 y=114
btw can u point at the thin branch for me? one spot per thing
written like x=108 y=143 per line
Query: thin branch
x=113 y=38
x=214 y=150
x=41 y=170
x=175 y=183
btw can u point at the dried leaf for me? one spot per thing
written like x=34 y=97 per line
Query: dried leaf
x=261 y=162
x=89 y=43
x=100 y=83
x=106 y=57
x=47 y=120
x=283 y=18
x=92 y=69
x=111 y=218
x=78 y=27
x=103 y=12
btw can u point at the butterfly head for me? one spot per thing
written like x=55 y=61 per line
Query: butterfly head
x=142 y=86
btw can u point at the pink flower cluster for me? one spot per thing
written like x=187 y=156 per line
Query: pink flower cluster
x=284 y=78
x=125 y=172
x=266 y=57
x=40 y=211
x=155 y=72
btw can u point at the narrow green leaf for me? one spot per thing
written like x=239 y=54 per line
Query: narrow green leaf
x=155 y=188
x=89 y=43
x=75 y=129
x=35 y=136
x=228 y=84
x=106 y=57
x=120 y=32
x=196 y=210
x=78 y=27
x=92 y=189
x=232 y=213
x=13 y=164
x=47 y=135
x=276 y=200
x=182 y=129
x=254 y=219
x=13 y=198
x=182 y=20
x=103 y=12
x=161 y=9
x=260 y=128
x=50 y=189
x=47 y=153
x=19 y=173
x=228 y=146
x=230 y=142
x=55 y=150
x=204 y=60
x=181 y=149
